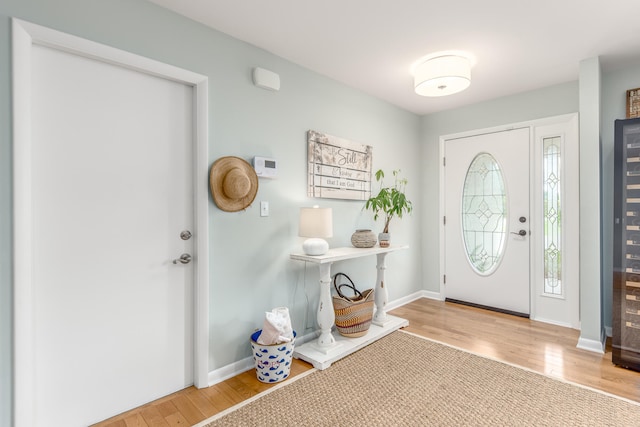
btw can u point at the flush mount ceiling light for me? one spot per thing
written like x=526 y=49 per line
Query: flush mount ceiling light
x=442 y=75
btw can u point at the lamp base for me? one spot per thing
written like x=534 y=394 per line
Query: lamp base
x=315 y=246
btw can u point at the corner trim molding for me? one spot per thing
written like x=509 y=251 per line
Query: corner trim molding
x=593 y=345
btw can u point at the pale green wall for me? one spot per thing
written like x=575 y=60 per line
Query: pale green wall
x=547 y=102
x=250 y=268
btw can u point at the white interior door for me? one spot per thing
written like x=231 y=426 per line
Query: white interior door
x=487 y=220
x=112 y=189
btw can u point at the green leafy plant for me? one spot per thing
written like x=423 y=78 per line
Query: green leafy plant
x=390 y=201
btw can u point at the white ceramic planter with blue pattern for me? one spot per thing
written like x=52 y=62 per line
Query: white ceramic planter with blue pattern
x=273 y=362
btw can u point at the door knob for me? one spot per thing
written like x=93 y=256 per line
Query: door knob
x=184 y=259
x=520 y=233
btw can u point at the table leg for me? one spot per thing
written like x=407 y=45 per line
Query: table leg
x=326 y=316
x=381 y=294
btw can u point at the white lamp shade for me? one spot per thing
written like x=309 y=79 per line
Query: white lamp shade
x=315 y=223
x=442 y=75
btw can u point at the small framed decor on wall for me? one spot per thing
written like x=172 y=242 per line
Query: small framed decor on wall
x=338 y=168
x=633 y=103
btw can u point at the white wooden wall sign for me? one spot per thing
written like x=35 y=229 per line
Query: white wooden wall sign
x=338 y=168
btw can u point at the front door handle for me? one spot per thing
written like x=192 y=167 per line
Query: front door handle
x=184 y=259
x=520 y=233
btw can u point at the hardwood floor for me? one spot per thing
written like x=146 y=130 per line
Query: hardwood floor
x=541 y=347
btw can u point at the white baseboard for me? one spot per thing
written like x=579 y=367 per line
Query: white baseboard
x=229 y=371
x=593 y=345
x=433 y=295
x=551 y=322
x=413 y=297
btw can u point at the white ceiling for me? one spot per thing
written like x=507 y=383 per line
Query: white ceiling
x=370 y=45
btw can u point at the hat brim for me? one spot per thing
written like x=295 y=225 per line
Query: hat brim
x=219 y=170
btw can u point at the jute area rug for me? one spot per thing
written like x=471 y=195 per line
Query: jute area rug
x=406 y=380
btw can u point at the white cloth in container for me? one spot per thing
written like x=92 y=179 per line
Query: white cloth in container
x=276 y=328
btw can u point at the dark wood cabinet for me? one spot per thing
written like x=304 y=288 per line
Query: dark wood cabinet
x=626 y=251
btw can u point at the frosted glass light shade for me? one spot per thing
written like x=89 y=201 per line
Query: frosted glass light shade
x=442 y=75
x=315 y=223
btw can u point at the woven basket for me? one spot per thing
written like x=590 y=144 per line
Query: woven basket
x=353 y=314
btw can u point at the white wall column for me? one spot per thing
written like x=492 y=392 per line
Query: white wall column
x=592 y=334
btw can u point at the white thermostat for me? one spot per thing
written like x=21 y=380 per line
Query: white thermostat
x=265 y=168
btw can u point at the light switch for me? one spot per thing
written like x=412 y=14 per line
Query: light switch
x=264 y=208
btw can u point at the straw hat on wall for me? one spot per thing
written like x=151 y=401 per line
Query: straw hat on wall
x=234 y=183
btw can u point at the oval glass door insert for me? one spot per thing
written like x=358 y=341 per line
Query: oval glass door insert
x=484 y=214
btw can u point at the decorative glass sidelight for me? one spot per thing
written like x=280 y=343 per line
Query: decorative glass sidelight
x=552 y=215
x=484 y=214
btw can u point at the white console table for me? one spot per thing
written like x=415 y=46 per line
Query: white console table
x=329 y=347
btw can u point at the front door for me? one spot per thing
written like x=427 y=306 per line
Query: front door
x=487 y=220
x=112 y=190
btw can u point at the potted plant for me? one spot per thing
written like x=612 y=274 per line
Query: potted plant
x=389 y=202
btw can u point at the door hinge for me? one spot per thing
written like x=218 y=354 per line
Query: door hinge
x=444 y=161
x=444 y=220
x=444 y=279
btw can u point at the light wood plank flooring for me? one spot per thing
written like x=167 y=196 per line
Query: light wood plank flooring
x=538 y=346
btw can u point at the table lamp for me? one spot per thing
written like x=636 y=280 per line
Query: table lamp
x=315 y=223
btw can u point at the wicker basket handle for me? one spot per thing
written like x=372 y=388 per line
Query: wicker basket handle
x=350 y=285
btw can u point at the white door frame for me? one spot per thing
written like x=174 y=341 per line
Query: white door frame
x=25 y=35
x=570 y=121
